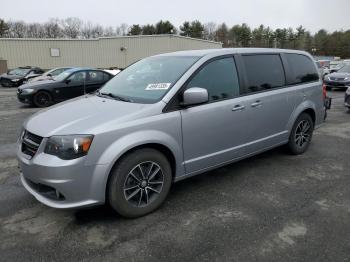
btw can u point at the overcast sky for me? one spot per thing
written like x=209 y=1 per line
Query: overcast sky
x=312 y=14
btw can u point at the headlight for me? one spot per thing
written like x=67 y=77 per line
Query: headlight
x=346 y=78
x=328 y=78
x=15 y=80
x=348 y=91
x=27 y=91
x=68 y=147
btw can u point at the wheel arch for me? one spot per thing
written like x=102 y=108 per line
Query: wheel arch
x=43 y=91
x=165 y=150
x=307 y=107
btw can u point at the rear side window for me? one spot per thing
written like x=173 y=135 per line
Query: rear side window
x=264 y=72
x=95 y=76
x=106 y=77
x=219 y=77
x=302 y=69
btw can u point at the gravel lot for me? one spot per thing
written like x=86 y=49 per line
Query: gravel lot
x=271 y=207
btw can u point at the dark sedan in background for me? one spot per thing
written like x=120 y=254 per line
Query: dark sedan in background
x=340 y=79
x=69 y=84
x=18 y=76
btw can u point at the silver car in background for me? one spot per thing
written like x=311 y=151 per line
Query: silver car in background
x=166 y=118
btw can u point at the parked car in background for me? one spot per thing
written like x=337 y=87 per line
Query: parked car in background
x=69 y=84
x=339 y=79
x=325 y=63
x=49 y=74
x=347 y=98
x=112 y=71
x=320 y=70
x=335 y=65
x=166 y=118
x=17 y=76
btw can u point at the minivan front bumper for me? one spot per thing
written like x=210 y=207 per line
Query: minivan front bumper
x=62 y=183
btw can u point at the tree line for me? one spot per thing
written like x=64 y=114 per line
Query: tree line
x=320 y=43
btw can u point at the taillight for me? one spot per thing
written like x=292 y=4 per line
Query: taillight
x=324 y=91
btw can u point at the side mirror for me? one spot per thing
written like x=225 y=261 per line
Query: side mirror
x=67 y=81
x=195 y=96
x=50 y=75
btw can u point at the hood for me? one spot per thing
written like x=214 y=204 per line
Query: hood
x=339 y=75
x=85 y=115
x=40 y=78
x=36 y=84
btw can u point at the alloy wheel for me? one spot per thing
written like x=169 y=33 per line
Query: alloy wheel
x=303 y=133
x=143 y=184
x=42 y=99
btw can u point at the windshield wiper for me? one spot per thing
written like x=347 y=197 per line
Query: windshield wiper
x=120 y=98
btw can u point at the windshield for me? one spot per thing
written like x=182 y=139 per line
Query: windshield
x=19 y=71
x=345 y=69
x=336 y=65
x=62 y=76
x=148 y=80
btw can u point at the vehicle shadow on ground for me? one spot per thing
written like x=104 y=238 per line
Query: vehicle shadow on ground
x=102 y=213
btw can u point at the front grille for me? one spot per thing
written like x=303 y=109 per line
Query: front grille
x=30 y=143
x=336 y=79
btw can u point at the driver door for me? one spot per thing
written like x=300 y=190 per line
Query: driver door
x=72 y=87
x=215 y=132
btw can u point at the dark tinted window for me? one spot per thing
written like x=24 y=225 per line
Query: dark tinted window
x=302 y=68
x=95 y=76
x=78 y=77
x=106 y=77
x=263 y=72
x=219 y=77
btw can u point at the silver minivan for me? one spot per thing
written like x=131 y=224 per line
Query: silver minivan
x=166 y=118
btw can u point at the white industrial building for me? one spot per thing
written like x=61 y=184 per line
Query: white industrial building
x=100 y=53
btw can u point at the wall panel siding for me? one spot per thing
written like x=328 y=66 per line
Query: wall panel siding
x=102 y=52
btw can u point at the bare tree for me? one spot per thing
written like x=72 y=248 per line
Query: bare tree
x=108 y=31
x=52 y=28
x=86 y=31
x=97 y=31
x=17 y=29
x=124 y=29
x=71 y=27
x=209 y=31
x=35 y=30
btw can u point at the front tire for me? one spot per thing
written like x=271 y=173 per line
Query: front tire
x=6 y=83
x=42 y=99
x=301 y=134
x=139 y=183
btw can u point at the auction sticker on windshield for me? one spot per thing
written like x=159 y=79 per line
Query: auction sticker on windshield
x=158 y=86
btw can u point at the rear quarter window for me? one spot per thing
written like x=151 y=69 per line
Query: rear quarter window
x=302 y=69
x=263 y=72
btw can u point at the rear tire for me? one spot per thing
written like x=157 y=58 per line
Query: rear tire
x=301 y=134
x=139 y=183
x=42 y=99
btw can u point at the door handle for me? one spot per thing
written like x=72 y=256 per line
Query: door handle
x=256 y=104
x=238 y=108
